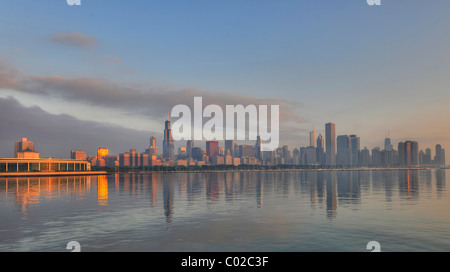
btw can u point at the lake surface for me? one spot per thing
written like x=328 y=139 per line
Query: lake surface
x=228 y=211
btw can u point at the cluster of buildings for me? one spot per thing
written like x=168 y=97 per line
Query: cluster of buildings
x=328 y=151
x=27 y=161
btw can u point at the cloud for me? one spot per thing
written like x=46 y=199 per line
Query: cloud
x=56 y=135
x=74 y=39
x=143 y=102
x=153 y=101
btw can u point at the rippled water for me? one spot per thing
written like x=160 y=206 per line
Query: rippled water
x=228 y=211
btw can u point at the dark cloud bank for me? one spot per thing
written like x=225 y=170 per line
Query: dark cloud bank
x=56 y=135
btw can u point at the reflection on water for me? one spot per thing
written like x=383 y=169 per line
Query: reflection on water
x=268 y=211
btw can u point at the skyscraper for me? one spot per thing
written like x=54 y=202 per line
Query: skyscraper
x=408 y=153
x=168 y=144
x=343 y=150
x=355 y=150
x=320 y=150
x=387 y=144
x=312 y=138
x=439 y=158
x=212 y=148
x=258 y=148
x=330 y=142
x=189 y=146
x=365 y=157
x=229 y=146
x=197 y=153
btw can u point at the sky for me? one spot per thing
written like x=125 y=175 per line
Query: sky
x=106 y=73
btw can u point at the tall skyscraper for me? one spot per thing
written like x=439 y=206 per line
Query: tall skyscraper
x=312 y=138
x=168 y=144
x=320 y=150
x=258 y=148
x=343 y=150
x=330 y=142
x=414 y=153
x=286 y=154
x=229 y=147
x=439 y=158
x=355 y=150
x=212 y=149
x=365 y=157
x=408 y=153
x=387 y=144
x=189 y=146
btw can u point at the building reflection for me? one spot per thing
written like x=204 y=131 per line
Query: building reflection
x=168 y=195
x=409 y=183
x=349 y=187
x=331 y=195
x=259 y=193
x=154 y=180
x=28 y=192
x=440 y=182
x=102 y=188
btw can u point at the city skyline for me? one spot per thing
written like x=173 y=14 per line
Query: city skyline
x=70 y=81
x=340 y=151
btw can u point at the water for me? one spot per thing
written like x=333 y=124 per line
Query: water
x=228 y=211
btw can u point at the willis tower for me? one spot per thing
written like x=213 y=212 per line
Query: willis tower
x=168 y=144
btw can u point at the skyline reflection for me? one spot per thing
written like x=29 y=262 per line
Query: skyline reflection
x=329 y=189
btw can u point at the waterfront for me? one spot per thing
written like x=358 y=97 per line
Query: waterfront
x=228 y=211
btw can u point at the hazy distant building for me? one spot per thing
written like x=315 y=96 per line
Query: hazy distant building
x=355 y=150
x=439 y=158
x=309 y=155
x=376 y=159
x=286 y=154
x=343 y=150
x=387 y=144
x=365 y=157
x=330 y=143
x=427 y=160
x=320 y=150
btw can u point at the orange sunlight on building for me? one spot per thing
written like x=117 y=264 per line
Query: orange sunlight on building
x=102 y=153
